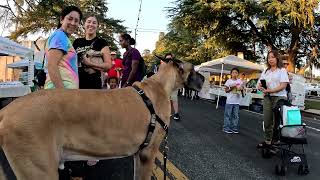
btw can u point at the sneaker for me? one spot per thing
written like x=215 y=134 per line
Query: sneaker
x=176 y=117
x=235 y=131
x=227 y=131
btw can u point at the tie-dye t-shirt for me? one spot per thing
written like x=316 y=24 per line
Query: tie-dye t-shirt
x=68 y=66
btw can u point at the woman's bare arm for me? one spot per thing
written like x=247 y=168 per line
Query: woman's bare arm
x=54 y=57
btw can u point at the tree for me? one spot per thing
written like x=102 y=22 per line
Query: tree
x=42 y=16
x=227 y=26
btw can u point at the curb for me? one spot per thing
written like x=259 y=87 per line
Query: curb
x=310 y=114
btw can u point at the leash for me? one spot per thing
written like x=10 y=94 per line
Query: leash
x=165 y=156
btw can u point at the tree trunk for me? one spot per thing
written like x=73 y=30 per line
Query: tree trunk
x=292 y=60
x=293 y=49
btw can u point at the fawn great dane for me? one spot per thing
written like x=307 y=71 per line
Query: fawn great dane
x=45 y=128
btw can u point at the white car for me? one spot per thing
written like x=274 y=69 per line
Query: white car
x=312 y=89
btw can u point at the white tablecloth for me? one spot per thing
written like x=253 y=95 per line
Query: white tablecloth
x=9 y=90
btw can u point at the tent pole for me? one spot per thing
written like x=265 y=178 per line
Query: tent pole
x=31 y=70
x=219 y=86
x=6 y=70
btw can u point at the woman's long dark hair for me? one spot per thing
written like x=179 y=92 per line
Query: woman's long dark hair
x=128 y=38
x=277 y=56
x=68 y=10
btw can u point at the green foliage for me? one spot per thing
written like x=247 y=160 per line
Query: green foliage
x=309 y=104
x=43 y=16
x=201 y=30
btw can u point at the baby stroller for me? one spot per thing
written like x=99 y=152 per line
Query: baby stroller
x=289 y=132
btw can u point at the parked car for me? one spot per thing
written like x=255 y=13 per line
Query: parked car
x=312 y=89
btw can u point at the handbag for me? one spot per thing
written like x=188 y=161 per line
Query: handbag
x=94 y=57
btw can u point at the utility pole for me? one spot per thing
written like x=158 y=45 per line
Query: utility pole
x=135 y=31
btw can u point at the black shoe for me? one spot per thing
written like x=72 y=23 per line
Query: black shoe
x=176 y=117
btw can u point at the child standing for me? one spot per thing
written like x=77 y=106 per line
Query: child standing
x=111 y=82
x=231 y=113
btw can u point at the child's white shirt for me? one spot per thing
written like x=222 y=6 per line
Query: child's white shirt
x=233 y=97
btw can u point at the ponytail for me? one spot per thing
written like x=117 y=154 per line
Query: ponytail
x=128 y=38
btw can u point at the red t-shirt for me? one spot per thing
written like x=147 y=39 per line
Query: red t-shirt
x=117 y=65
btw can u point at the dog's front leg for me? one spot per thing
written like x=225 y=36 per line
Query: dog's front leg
x=144 y=162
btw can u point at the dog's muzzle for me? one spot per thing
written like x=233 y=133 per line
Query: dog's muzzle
x=195 y=81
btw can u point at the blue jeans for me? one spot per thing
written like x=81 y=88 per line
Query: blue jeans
x=231 y=117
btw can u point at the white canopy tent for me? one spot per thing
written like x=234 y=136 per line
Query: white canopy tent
x=11 y=48
x=210 y=70
x=225 y=64
x=24 y=63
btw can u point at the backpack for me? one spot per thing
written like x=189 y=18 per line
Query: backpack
x=40 y=78
x=143 y=67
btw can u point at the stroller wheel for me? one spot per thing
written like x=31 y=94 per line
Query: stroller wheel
x=266 y=153
x=280 y=170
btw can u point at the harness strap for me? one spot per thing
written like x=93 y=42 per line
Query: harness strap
x=154 y=118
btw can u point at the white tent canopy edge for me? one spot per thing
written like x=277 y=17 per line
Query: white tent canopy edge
x=11 y=48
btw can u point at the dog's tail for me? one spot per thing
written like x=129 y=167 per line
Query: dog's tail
x=1 y=129
x=6 y=172
x=2 y=175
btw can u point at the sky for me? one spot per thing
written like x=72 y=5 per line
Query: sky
x=153 y=19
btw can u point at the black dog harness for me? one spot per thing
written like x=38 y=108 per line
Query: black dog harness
x=154 y=118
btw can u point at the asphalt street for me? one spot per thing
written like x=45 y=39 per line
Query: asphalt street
x=200 y=149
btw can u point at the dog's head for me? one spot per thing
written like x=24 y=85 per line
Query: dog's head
x=185 y=74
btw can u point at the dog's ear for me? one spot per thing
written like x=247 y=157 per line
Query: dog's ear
x=161 y=58
x=178 y=64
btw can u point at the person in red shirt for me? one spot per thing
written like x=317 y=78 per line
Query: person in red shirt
x=116 y=69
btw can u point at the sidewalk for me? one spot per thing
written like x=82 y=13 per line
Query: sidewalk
x=311 y=113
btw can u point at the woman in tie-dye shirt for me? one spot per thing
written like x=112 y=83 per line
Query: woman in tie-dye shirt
x=61 y=57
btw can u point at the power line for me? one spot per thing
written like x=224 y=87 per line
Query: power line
x=135 y=31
